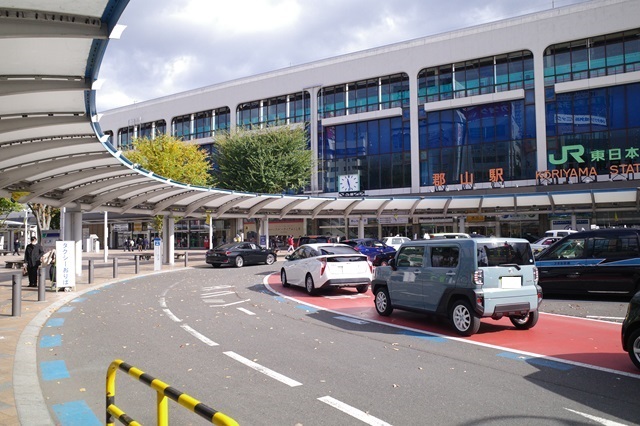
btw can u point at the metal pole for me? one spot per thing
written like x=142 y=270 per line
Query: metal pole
x=115 y=267
x=90 y=271
x=16 y=308
x=186 y=259
x=42 y=282
x=137 y=258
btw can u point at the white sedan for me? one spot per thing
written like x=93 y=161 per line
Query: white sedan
x=316 y=266
x=543 y=243
x=395 y=242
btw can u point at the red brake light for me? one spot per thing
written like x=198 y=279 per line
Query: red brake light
x=323 y=265
x=478 y=277
x=227 y=253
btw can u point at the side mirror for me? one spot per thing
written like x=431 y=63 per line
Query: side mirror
x=392 y=263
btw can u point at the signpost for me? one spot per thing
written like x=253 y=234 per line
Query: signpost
x=65 y=265
x=157 y=254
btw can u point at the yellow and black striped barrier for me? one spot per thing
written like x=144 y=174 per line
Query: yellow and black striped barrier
x=163 y=392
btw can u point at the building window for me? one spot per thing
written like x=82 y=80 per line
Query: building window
x=363 y=96
x=476 y=77
x=201 y=124
x=276 y=111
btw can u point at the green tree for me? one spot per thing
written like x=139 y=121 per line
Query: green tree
x=8 y=205
x=172 y=158
x=268 y=161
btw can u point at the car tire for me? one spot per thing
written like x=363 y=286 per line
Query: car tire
x=283 y=279
x=525 y=322
x=362 y=288
x=308 y=285
x=383 y=302
x=239 y=262
x=463 y=318
x=270 y=259
x=634 y=347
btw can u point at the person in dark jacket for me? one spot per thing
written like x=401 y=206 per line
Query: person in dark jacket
x=32 y=254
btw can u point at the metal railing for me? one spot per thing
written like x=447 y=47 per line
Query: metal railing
x=163 y=391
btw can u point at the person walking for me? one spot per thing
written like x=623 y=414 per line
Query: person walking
x=16 y=246
x=32 y=254
x=290 y=244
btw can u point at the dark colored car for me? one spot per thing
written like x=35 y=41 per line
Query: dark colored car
x=595 y=262
x=240 y=254
x=314 y=239
x=383 y=259
x=369 y=246
x=631 y=330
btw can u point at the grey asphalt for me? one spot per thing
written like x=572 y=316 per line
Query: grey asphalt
x=21 y=400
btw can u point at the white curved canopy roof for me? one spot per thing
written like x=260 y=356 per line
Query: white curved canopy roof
x=51 y=146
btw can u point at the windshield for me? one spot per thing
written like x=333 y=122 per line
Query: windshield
x=502 y=252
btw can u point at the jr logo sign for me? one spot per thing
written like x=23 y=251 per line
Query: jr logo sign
x=575 y=151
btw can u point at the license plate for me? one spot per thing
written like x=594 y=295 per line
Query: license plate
x=510 y=282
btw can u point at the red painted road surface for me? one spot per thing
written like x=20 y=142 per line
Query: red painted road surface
x=579 y=340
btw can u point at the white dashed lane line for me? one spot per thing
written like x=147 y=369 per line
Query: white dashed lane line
x=262 y=369
x=204 y=339
x=353 y=412
x=246 y=311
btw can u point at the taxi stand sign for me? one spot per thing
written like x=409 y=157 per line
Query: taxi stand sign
x=65 y=264
x=157 y=254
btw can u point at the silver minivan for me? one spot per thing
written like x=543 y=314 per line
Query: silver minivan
x=463 y=280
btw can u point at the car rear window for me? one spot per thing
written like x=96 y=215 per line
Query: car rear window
x=338 y=250
x=503 y=253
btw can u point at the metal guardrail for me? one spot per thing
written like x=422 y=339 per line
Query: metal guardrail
x=163 y=392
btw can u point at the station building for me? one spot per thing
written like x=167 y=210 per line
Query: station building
x=543 y=103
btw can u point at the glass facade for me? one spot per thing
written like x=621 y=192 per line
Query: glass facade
x=592 y=57
x=202 y=124
x=378 y=150
x=281 y=110
x=476 y=77
x=596 y=130
x=126 y=135
x=363 y=96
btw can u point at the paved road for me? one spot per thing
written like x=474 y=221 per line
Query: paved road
x=223 y=337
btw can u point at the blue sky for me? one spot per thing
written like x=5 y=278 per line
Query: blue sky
x=171 y=46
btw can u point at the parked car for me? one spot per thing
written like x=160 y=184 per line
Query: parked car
x=369 y=246
x=543 y=243
x=313 y=239
x=318 y=266
x=631 y=330
x=600 y=261
x=395 y=242
x=559 y=232
x=383 y=259
x=462 y=279
x=240 y=254
x=445 y=235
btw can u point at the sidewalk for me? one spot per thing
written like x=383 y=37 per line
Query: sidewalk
x=19 y=334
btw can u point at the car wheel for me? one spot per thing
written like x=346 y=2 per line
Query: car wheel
x=308 y=284
x=283 y=279
x=270 y=259
x=634 y=347
x=383 y=301
x=239 y=261
x=525 y=322
x=362 y=288
x=463 y=318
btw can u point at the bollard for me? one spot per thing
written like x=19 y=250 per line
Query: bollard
x=42 y=282
x=137 y=268
x=90 y=271
x=115 y=267
x=186 y=259
x=16 y=306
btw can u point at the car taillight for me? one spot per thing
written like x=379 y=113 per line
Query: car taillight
x=356 y=248
x=478 y=277
x=227 y=253
x=323 y=265
x=370 y=266
x=536 y=275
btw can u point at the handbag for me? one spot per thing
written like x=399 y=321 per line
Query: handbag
x=46 y=258
x=24 y=271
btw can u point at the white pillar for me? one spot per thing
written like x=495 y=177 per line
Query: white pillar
x=360 y=228
x=265 y=229
x=77 y=237
x=168 y=239
x=210 y=232
x=106 y=238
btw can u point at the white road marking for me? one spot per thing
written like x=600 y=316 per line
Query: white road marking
x=229 y=304
x=163 y=302
x=353 y=412
x=217 y=293
x=246 y=311
x=170 y=315
x=600 y=420
x=264 y=370
x=605 y=318
x=199 y=336
x=352 y=320
x=216 y=287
